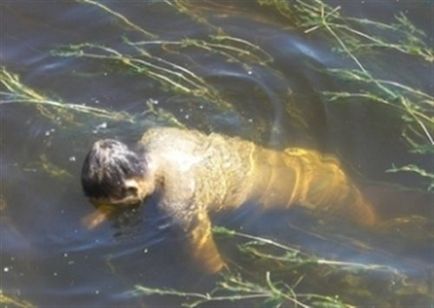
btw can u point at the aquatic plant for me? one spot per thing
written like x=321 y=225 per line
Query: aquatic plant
x=355 y=37
x=172 y=76
x=14 y=91
x=233 y=48
x=233 y=287
x=48 y=167
x=350 y=32
x=58 y=111
x=282 y=273
x=275 y=262
x=162 y=115
x=128 y=23
x=13 y=301
x=286 y=253
x=278 y=273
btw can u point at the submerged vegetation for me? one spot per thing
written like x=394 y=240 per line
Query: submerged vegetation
x=12 y=301
x=234 y=288
x=172 y=76
x=17 y=92
x=358 y=39
x=164 y=61
x=354 y=35
x=280 y=275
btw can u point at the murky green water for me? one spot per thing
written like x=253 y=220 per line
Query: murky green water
x=271 y=95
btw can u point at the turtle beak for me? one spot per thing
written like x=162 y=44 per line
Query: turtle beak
x=97 y=217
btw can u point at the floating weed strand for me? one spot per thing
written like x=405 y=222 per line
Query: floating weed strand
x=313 y=15
x=20 y=93
x=121 y=17
x=354 y=35
x=297 y=255
x=233 y=288
x=162 y=114
x=169 y=76
x=175 y=69
x=236 y=49
x=44 y=165
x=245 y=51
x=245 y=48
x=182 y=7
x=139 y=65
x=13 y=301
x=192 y=75
x=243 y=54
x=417 y=170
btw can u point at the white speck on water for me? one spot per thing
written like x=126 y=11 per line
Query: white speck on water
x=47 y=133
x=65 y=255
x=145 y=250
x=6 y=269
x=55 y=274
x=96 y=292
x=52 y=130
x=103 y=125
x=187 y=116
x=249 y=72
x=200 y=106
x=72 y=159
x=250 y=120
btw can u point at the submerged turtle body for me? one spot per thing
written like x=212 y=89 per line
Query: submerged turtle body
x=207 y=173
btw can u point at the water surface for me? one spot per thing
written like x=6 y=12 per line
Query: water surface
x=49 y=259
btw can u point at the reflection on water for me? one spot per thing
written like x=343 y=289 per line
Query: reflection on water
x=47 y=256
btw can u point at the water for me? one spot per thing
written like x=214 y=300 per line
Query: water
x=49 y=259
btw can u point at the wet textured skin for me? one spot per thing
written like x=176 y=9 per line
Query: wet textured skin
x=198 y=174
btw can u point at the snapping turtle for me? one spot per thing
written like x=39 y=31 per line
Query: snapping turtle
x=196 y=174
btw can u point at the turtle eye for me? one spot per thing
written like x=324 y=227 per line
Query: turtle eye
x=131 y=191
